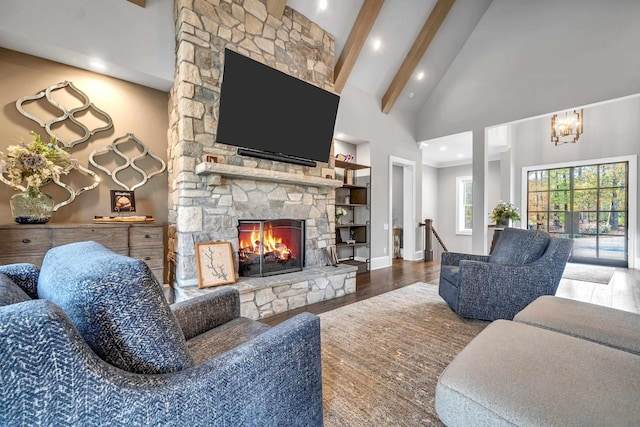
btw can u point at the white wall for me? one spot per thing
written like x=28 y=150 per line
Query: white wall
x=610 y=130
x=527 y=58
x=359 y=115
x=445 y=224
x=135 y=44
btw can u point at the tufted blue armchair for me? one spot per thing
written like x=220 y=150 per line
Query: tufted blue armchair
x=90 y=340
x=524 y=265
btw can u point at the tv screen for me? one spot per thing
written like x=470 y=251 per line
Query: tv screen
x=264 y=109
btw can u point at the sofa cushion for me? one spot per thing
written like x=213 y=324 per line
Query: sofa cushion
x=10 y=293
x=24 y=275
x=517 y=374
x=604 y=325
x=117 y=306
x=519 y=247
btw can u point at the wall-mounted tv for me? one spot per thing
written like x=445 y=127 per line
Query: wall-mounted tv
x=264 y=109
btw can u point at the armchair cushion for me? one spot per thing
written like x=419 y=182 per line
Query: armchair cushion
x=24 y=275
x=450 y=273
x=117 y=306
x=10 y=293
x=519 y=247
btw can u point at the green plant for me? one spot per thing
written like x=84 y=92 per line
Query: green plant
x=504 y=210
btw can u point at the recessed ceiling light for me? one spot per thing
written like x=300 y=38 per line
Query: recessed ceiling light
x=443 y=148
x=377 y=44
x=411 y=95
x=96 y=63
x=322 y=4
x=460 y=155
x=420 y=75
x=339 y=135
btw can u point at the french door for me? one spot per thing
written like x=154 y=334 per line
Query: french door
x=585 y=203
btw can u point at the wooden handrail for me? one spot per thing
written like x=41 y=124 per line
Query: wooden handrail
x=428 y=247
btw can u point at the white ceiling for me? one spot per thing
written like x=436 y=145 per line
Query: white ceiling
x=149 y=55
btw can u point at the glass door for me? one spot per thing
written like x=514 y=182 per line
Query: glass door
x=585 y=203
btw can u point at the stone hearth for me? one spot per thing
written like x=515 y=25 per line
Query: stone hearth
x=265 y=296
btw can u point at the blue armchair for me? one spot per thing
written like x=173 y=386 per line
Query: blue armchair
x=101 y=346
x=524 y=265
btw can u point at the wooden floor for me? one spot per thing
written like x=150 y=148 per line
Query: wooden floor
x=623 y=292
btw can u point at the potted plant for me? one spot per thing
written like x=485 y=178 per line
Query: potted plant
x=504 y=213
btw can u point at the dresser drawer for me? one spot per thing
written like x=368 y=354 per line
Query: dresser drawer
x=18 y=241
x=115 y=238
x=146 y=236
x=154 y=257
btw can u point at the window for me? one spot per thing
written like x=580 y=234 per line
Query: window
x=464 y=205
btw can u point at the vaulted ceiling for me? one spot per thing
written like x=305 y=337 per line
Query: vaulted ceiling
x=395 y=50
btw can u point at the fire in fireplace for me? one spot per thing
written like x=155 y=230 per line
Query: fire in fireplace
x=270 y=247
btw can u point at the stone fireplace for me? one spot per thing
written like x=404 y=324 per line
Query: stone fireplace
x=211 y=187
x=268 y=247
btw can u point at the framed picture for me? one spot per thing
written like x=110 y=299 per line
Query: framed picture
x=122 y=201
x=214 y=261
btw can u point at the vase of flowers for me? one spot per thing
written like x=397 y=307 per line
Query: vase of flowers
x=504 y=213
x=35 y=164
x=340 y=213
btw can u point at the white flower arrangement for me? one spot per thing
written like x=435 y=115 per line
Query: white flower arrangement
x=34 y=163
x=340 y=212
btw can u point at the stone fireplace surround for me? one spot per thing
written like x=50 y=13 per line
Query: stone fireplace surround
x=207 y=198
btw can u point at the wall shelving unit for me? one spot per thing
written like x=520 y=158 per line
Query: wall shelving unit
x=353 y=233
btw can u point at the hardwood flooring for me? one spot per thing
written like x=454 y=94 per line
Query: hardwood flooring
x=623 y=292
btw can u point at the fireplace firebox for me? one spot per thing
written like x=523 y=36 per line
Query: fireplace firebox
x=268 y=247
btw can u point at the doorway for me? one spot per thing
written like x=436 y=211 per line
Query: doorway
x=402 y=190
x=586 y=203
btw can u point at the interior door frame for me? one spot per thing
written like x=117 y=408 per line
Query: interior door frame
x=409 y=223
x=632 y=189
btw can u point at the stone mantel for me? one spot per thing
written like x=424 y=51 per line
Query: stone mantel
x=242 y=172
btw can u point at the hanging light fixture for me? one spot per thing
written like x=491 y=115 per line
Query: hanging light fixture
x=567 y=129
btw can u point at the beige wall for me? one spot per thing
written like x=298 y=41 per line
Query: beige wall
x=133 y=109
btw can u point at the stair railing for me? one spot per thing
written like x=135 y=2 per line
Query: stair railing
x=429 y=231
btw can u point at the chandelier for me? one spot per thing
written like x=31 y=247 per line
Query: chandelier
x=567 y=129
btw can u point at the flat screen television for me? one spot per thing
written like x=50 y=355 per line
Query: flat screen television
x=267 y=110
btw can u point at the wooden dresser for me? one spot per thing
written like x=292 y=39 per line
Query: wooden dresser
x=29 y=243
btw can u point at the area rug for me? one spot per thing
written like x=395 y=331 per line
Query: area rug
x=381 y=357
x=588 y=273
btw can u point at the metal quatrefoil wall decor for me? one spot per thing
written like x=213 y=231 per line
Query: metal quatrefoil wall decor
x=128 y=162
x=70 y=115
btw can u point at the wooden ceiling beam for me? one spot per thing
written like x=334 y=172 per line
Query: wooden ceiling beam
x=420 y=45
x=138 y=2
x=358 y=36
x=276 y=8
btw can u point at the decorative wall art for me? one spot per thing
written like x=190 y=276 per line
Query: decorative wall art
x=128 y=162
x=67 y=114
x=214 y=261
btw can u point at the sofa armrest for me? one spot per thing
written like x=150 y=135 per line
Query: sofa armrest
x=201 y=314
x=274 y=379
x=454 y=258
x=24 y=275
x=496 y=291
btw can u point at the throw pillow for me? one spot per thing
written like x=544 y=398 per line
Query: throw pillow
x=117 y=306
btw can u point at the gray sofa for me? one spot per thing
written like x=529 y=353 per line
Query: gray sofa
x=90 y=340
x=560 y=362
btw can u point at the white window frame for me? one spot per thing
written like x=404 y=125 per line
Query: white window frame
x=461 y=181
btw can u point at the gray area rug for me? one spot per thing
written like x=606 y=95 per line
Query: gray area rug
x=588 y=273
x=381 y=357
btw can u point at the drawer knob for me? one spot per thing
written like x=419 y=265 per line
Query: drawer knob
x=147 y=236
x=26 y=240
x=147 y=258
